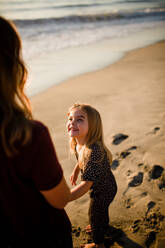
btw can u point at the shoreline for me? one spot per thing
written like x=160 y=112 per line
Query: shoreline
x=129 y=95
x=54 y=68
x=120 y=57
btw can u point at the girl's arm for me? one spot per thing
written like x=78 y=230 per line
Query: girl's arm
x=75 y=174
x=80 y=190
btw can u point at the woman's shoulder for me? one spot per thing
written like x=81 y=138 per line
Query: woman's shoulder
x=39 y=131
x=38 y=126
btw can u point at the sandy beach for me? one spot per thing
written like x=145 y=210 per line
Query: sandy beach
x=130 y=96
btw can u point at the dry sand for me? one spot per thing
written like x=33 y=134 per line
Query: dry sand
x=130 y=96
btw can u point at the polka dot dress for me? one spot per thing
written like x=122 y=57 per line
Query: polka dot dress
x=97 y=169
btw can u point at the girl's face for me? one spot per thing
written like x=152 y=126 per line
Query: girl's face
x=77 y=125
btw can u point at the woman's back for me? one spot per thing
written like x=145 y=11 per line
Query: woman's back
x=22 y=177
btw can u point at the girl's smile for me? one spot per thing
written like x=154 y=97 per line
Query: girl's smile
x=77 y=125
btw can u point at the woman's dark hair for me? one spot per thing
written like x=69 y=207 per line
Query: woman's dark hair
x=15 y=111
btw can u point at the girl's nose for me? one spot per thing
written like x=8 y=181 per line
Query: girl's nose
x=73 y=122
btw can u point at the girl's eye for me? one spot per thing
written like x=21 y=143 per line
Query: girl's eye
x=79 y=120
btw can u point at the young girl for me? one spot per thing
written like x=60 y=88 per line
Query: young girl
x=84 y=127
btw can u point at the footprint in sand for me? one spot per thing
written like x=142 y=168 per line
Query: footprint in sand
x=150 y=205
x=129 y=173
x=136 y=226
x=155 y=172
x=151 y=223
x=76 y=231
x=161 y=185
x=118 y=138
x=115 y=164
x=136 y=181
x=140 y=164
x=154 y=131
x=132 y=148
x=154 y=221
x=144 y=194
x=128 y=203
x=124 y=154
x=127 y=152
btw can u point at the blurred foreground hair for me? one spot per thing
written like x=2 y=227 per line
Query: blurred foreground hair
x=15 y=111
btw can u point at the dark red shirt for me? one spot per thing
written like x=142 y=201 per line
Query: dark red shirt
x=22 y=207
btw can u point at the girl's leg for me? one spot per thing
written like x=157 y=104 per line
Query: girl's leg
x=99 y=219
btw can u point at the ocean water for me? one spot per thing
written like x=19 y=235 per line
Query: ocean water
x=63 y=38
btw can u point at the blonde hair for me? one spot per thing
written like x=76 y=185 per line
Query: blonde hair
x=95 y=132
x=15 y=111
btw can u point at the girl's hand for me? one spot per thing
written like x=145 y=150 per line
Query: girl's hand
x=80 y=190
x=75 y=174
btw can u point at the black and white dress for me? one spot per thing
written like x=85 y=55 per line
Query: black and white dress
x=97 y=169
